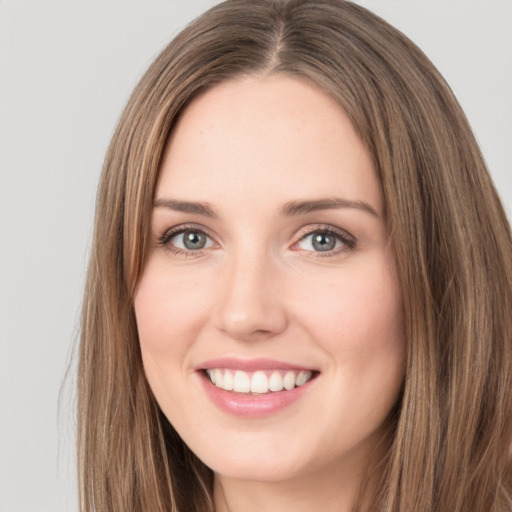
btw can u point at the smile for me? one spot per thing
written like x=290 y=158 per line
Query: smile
x=258 y=382
x=255 y=388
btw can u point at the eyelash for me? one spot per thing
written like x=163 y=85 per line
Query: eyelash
x=165 y=239
x=347 y=240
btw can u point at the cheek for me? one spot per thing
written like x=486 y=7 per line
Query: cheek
x=359 y=322
x=356 y=299
x=357 y=317
x=169 y=307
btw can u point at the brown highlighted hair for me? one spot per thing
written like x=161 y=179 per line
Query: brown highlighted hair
x=449 y=448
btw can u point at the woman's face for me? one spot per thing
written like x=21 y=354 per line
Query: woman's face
x=270 y=272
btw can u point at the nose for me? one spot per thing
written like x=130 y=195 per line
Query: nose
x=250 y=305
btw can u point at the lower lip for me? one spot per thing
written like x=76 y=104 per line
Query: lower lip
x=252 y=406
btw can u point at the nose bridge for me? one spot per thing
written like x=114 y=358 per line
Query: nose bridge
x=249 y=303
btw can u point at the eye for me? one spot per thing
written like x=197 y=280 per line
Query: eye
x=185 y=240
x=326 y=241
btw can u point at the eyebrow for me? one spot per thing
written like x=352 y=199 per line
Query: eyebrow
x=290 y=209
x=187 y=207
x=293 y=208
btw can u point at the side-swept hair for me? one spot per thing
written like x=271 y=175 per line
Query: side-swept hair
x=449 y=450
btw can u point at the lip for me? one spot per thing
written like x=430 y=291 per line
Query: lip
x=248 y=405
x=249 y=365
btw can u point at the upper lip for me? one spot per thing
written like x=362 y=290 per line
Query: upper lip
x=249 y=365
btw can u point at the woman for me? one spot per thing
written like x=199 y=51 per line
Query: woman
x=300 y=280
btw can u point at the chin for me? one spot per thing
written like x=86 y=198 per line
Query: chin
x=256 y=459
x=256 y=470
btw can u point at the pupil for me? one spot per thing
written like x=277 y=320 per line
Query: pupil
x=194 y=240
x=323 y=242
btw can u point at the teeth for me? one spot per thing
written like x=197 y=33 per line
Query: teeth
x=219 y=378
x=241 y=382
x=289 y=380
x=302 y=378
x=228 y=381
x=258 y=382
x=275 y=382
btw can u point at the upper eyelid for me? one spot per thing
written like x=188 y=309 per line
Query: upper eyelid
x=327 y=228
x=181 y=228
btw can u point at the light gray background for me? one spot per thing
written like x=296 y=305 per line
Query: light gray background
x=66 y=70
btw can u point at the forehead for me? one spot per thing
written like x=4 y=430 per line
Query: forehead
x=273 y=137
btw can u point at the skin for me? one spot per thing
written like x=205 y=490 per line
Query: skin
x=259 y=288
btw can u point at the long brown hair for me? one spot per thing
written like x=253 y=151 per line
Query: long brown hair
x=450 y=440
